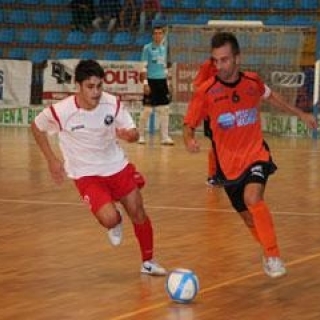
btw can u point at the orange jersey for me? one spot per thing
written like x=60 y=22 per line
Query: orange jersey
x=206 y=71
x=234 y=112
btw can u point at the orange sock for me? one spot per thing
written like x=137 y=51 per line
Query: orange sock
x=144 y=234
x=212 y=166
x=262 y=220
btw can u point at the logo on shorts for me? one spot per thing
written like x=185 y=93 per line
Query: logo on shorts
x=257 y=171
x=108 y=120
x=86 y=200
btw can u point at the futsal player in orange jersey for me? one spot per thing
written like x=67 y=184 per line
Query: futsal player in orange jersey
x=206 y=71
x=232 y=99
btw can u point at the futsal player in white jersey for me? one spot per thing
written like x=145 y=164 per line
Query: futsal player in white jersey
x=89 y=124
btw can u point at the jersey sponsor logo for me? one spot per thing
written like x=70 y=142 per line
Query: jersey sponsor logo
x=257 y=171
x=239 y=118
x=77 y=127
x=227 y=120
x=108 y=120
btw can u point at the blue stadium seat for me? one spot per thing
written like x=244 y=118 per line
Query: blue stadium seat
x=274 y=19
x=17 y=54
x=203 y=18
x=40 y=55
x=237 y=4
x=2 y=16
x=64 y=54
x=111 y=55
x=54 y=2
x=299 y=21
x=122 y=38
x=18 y=17
x=29 y=36
x=133 y=56
x=41 y=17
x=63 y=18
x=76 y=38
x=7 y=35
x=100 y=38
x=260 y=4
x=217 y=4
x=28 y=1
x=88 y=55
x=168 y=4
x=308 y=4
x=191 y=4
x=7 y=1
x=179 y=18
x=281 y=4
x=53 y=36
x=142 y=39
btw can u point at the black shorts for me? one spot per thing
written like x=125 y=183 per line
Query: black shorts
x=257 y=173
x=159 y=93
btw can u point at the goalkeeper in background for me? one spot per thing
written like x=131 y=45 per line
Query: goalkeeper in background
x=231 y=100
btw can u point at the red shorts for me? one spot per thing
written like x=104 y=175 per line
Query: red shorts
x=96 y=191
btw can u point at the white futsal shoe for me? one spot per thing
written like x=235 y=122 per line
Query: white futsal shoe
x=152 y=268
x=273 y=267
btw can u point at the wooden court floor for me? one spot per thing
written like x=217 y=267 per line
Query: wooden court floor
x=56 y=263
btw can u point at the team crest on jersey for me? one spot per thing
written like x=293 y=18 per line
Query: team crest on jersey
x=108 y=120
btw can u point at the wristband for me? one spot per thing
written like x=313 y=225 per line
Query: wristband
x=145 y=82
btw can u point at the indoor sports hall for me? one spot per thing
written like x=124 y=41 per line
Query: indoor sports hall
x=55 y=259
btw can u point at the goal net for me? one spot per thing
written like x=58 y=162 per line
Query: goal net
x=274 y=52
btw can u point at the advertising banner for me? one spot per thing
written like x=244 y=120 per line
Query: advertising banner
x=15 y=83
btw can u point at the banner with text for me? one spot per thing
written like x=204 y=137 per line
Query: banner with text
x=15 y=83
x=121 y=78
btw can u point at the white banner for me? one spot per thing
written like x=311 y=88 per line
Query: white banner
x=15 y=83
x=121 y=78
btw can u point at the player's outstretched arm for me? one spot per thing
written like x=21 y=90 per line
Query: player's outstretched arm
x=55 y=165
x=278 y=101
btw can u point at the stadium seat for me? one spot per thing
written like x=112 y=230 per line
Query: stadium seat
x=203 y=18
x=7 y=35
x=40 y=55
x=2 y=16
x=299 y=21
x=88 y=55
x=274 y=19
x=17 y=54
x=76 y=38
x=308 y=4
x=7 y=1
x=63 y=18
x=29 y=36
x=54 y=2
x=111 y=55
x=281 y=4
x=18 y=17
x=179 y=18
x=237 y=4
x=260 y=4
x=99 y=38
x=41 y=17
x=168 y=4
x=64 y=54
x=53 y=36
x=217 y=4
x=122 y=38
x=191 y=4
x=133 y=56
x=142 y=39
x=28 y=1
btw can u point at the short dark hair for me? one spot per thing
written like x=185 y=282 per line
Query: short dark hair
x=219 y=39
x=86 y=69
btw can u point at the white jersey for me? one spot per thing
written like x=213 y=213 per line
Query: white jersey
x=87 y=138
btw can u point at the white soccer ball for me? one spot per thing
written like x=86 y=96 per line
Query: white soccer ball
x=182 y=285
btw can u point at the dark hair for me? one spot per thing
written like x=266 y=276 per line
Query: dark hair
x=219 y=39
x=86 y=69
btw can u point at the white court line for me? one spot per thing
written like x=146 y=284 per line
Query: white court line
x=78 y=204
x=212 y=288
